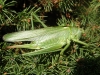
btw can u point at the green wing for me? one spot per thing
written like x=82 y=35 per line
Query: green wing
x=42 y=38
x=30 y=34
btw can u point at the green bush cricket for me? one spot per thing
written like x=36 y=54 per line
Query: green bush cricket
x=46 y=40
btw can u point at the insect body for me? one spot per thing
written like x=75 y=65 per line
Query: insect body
x=45 y=40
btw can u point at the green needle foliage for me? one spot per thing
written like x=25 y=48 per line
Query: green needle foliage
x=5 y=12
x=76 y=60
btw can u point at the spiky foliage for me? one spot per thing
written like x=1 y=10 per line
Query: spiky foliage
x=77 y=60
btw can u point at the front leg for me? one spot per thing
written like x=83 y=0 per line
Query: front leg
x=80 y=42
